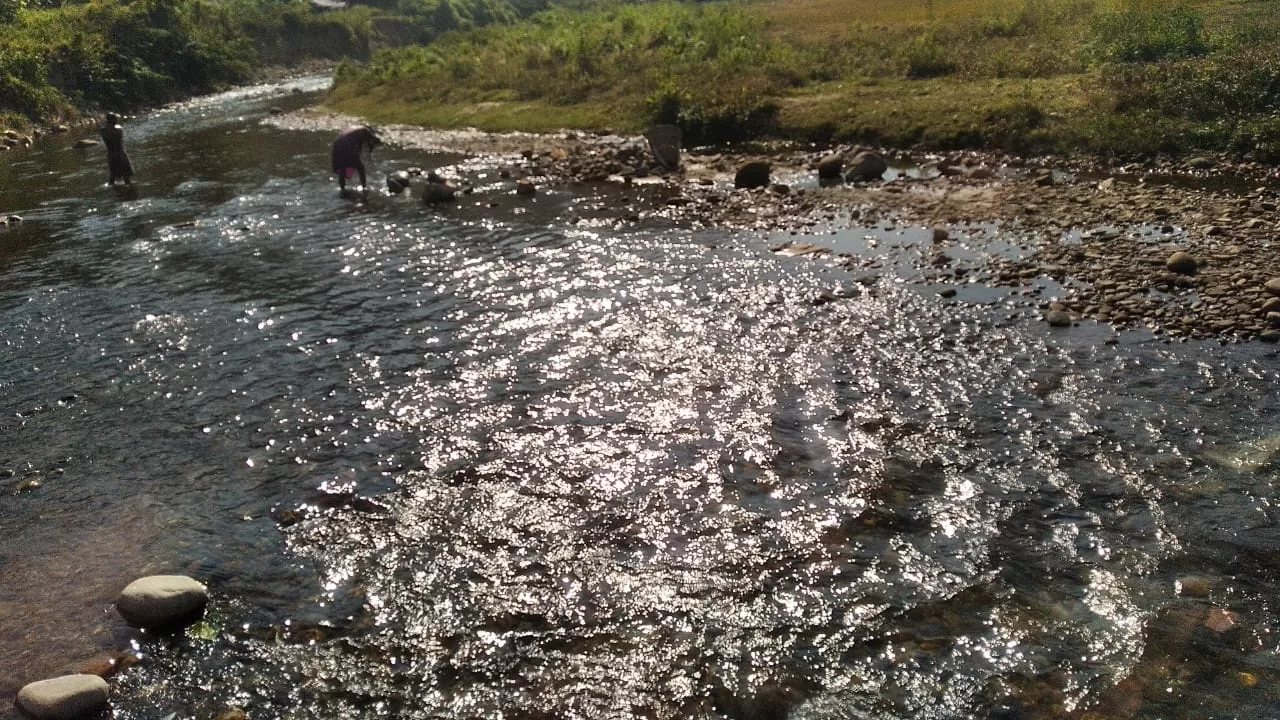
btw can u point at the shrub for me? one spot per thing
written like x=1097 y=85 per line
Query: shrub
x=1140 y=35
x=927 y=57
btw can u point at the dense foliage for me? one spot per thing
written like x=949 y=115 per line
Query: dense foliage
x=1108 y=75
x=120 y=55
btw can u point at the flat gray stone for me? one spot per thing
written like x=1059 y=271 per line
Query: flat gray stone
x=64 y=698
x=162 y=601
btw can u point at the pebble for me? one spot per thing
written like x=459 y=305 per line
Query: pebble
x=162 y=601
x=69 y=697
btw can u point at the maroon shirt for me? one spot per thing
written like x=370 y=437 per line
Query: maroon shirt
x=348 y=146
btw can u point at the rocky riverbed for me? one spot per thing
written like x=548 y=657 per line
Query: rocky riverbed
x=1182 y=249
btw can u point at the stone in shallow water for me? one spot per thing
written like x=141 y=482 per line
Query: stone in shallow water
x=64 y=698
x=162 y=601
x=664 y=143
x=1182 y=262
x=752 y=174
x=1059 y=318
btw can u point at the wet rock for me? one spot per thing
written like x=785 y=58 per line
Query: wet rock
x=276 y=110
x=1201 y=163
x=1043 y=178
x=1269 y=336
x=780 y=188
x=231 y=713
x=398 y=182
x=526 y=187
x=982 y=173
x=1182 y=262
x=940 y=235
x=1194 y=586
x=1059 y=318
x=1220 y=620
x=1271 y=305
x=866 y=165
x=831 y=166
x=1273 y=286
x=664 y=144
x=61 y=128
x=1273 y=319
x=162 y=601
x=69 y=697
x=86 y=143
x=752 y=174
x=438 y=192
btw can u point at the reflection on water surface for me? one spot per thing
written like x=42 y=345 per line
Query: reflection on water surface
x=487 y=462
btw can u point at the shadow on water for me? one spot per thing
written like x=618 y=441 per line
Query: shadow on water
x=480 y=460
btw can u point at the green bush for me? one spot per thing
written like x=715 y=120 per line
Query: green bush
x=1140 y=34
x=927 y=57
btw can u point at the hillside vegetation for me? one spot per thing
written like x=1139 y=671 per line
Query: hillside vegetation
x=58 y=60
x=1127 y=77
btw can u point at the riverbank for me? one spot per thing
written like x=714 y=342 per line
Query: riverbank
x=1132 y=80
x=1092 y=241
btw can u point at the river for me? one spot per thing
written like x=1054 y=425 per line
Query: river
x=502 y=460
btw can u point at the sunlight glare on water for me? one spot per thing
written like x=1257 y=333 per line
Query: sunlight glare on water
x=487 y=463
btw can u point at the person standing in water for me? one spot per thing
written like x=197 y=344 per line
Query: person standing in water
x=118 y=165
x=347 y=149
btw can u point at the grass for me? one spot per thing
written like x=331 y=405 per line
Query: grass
x=1118 y=77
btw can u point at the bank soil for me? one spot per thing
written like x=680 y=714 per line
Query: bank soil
x=1183 y=251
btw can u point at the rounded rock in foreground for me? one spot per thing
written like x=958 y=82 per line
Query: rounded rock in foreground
x=526 y=187
x=1182 y=263
x=64 y=698
x=1273 y=286
x=162 y=601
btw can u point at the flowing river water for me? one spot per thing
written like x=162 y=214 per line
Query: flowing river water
x=490 y=462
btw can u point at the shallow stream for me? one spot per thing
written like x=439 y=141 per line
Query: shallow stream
x=516 y=459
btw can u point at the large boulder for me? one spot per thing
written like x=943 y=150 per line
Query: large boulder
x=161 y=602
x=664 y=143
x=866 y=165
x=831 y=166
x=69 y=697
x=752 y=174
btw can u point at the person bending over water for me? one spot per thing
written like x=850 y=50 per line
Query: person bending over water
x=118 y=165
x=347 y=149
